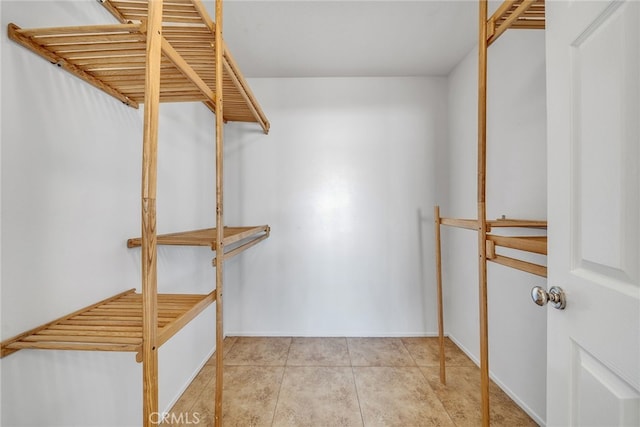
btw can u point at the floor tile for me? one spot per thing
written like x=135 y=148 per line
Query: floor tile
x=318 y=352
x=426 y=352
x=398 y=396
x=203 y=409
x=258 y=351
x=378 y=352
x=310 y=382
x=318 y=396
x=228 y=344
x=461 y=398
x=250 y=395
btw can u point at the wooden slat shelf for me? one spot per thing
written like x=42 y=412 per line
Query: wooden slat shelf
x=207 y=237
x=520 y=12
x=517 y=14
x=114 y=324
x=112 y=57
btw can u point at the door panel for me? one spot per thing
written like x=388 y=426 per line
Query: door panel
x=618 y=402
x=593 y=95
x=605 y=141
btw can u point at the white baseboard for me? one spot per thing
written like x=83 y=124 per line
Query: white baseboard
x=329 y=335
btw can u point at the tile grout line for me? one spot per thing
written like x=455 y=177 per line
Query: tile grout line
x=426 y=380
x=355 y=384
x=444 y=407
x=415 y=362
x=284 y=370
x=429 y=384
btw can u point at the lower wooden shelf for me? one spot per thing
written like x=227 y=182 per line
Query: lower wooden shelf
x=114 y=324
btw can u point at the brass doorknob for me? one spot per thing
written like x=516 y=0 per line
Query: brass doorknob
x=555 y=296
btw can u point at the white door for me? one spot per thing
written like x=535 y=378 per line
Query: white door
x=593 y=96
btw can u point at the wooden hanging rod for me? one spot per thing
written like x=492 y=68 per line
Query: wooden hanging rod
x=233 y=252
x=538 y=270
x=535 y=244
x=470 y=224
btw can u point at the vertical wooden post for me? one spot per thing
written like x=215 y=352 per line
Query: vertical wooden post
x=219 y=214
x=482 y=213
x=148 y=199
x=436 y=217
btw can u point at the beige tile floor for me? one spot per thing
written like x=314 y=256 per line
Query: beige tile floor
x=330 y=382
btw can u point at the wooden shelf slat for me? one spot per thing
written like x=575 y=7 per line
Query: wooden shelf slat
x=20 y=345
x=91 y=332
x=92 y=339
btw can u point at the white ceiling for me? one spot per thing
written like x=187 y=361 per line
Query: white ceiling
x=348 y=38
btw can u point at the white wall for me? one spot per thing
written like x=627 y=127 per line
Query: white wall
x=71 y=159
x=346 y=180
x=516 y=187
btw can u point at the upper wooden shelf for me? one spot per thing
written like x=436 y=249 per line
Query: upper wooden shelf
x=206 y=236
x=523 y=14
x=114 y=324
x=236 y=239
x=113 y=57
